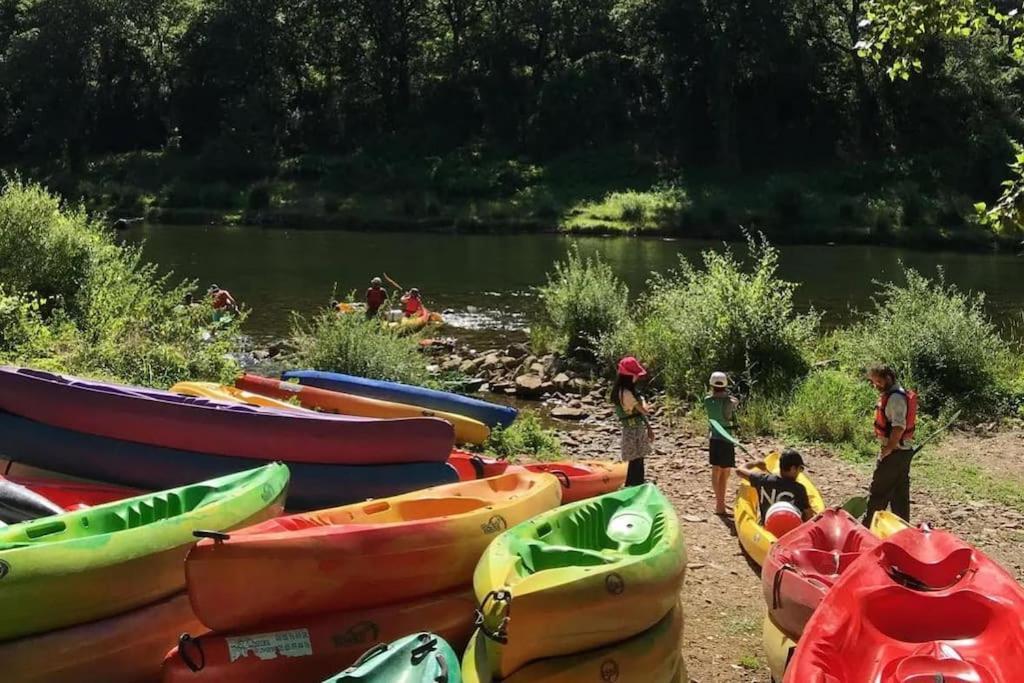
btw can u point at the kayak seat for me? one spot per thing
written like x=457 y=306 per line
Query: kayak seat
x=539 y=557
x=926 y=571
x=936 y=662
x=896 y=613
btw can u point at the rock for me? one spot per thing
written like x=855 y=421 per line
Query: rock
x=575 y=403
x=538 y=369
x=471 y=386
x=561 y=381
x=568 y=413
x=692 y=518
x=529 y=386
x=579 y=386
x=508 y=362
x=451 y=365
x=546 y=388
x=468 y=367
x=517 y=351
x=500 y=387
x=433 y=369
x=490 y=362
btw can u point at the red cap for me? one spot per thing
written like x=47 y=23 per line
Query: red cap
x=631 y=366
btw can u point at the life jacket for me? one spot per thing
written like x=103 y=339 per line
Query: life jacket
x=412 y=305
x=883 y=428
x=375 y=298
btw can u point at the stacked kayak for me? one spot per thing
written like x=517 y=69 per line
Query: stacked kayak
x=381 y=551
x=311 y=648
x=922 y=606
x=419 y=658
x=80 y=566
x=580 y=480
x=467 y=430
x=141 y=466
x=75 y=495
x=755 y=539
x=346 y=578
x=574 y=580
x=490 y=414
x=229 y=394
x=165 y=419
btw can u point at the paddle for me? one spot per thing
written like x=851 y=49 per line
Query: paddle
x=931 y=437
x=724 y=433
x=392 y=282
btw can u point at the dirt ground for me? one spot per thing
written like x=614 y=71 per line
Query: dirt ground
x=722 y=594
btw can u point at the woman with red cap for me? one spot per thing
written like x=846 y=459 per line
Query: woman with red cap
x=634 y=414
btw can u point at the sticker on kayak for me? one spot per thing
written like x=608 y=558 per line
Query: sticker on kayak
x=494 y=525
x=609 y=671
x=271 y=645
x=289 y=386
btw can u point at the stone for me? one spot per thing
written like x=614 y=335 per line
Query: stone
x=579 y=386
x=575 y=403
x=538 y=369
x=529 y=386
x=517 y=351
x=509 y=362
x=568 y=413
x=561 y=381
x=451 y=365
x=692 y=518
x=474 y=385
x=468 y=367
x=490 y=362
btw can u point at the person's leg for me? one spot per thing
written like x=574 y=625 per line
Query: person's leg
x=721 y=488
x=718 y=489
x=635 y=472
x=883 y=483
x=901 y=488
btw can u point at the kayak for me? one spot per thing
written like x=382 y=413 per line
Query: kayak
x=372 y=553
x=580 y=480
x=490 y=414
x=75 y=495
x=754 y=538
x=19 y=503
x=409 y=324
x=884 y=524
x=583 y=576
x=654 y=656
x=467 y=430
x=778 y=648
x=922 y=606
x=162 y=418
x=126 y=648
x=230 y=394
x=79 y=566
x=315 y=647
x=152 y=468
x=804 y=564
x=419 y=658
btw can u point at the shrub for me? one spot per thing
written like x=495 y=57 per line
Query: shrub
x=583 y=301
x=938 y=340
x=259 y=197
x=353 y=345
x=525 y=437
x=833 y=407
x=721 y=317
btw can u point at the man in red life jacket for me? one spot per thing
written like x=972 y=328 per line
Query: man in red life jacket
x=411 y=303
x=376 y=296
x=895 y=419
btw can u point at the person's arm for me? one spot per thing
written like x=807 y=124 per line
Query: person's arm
x=805 y=505
x=751 y=470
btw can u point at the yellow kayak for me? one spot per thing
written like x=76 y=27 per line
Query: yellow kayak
x=229 y=394
x=885 y=524
x=654 y=656
x=755 y=539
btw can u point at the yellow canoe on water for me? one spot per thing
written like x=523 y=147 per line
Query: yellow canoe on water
x=229 y=394
x=754 y=538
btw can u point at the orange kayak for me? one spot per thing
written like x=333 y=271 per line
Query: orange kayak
x=126 y=648
x=314 y=648
x=467 y=430
x=373 y=553
x=579 y=480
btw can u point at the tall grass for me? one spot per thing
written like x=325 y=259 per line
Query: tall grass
x=831 y=406
x=527 y=438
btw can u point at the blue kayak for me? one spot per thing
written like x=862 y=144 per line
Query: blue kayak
x=154 y=468
x=420 y=658
x=491 y=414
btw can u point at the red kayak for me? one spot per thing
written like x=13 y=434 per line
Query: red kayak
x=162 y=418
x=75 y=495
x=922 y=606
x=580 y=480
x=805 y=563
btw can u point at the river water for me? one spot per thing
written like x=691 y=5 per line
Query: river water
x=487 y=282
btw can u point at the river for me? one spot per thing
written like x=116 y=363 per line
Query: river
x=487 y=282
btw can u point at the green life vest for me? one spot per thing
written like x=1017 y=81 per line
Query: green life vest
x=628 y=418
x=719 y=409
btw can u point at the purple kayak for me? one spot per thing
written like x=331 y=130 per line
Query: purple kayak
x=162 y=418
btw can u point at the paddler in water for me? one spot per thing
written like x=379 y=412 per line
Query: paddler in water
x=412 y=304
x=376 y=296
x=223 y=303
x=895 y=419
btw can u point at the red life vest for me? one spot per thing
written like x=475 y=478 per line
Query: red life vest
x=412 y=305
x=883 y=428
x=375 y=298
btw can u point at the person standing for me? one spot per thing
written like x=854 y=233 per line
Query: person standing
x=895 y=420
x=634 y=416
x=376 y=296
x=720 y=406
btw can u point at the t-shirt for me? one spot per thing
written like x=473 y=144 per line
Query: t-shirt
x=896 y=413
x=771 y=489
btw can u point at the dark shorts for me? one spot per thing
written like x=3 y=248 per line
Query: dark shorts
x=722 y=453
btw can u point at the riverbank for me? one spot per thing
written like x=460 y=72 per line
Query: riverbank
x=615 y=191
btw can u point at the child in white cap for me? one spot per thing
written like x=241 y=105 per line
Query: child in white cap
x=720 y=405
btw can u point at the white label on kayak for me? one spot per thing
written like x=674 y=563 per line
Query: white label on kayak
x=271 y=645
x=289 y=386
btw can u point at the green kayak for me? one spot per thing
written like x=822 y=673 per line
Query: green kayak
x=80 y=566
x=422 y=658
x=579 y=577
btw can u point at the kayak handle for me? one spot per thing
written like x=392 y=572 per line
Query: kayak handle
x=499 y=635
x=562 y=477
x=478 y=466
x=217 y=536
x=184 y=640
x=777 y=584
x=442 y=664
x=379 y=648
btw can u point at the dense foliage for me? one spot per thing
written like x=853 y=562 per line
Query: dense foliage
x=526 y=437
x=72 y=299
x=737 y=87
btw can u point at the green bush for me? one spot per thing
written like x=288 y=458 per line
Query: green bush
x=352 y=345
x=721 y=317
x=525 y=437
x=939 y=341
x=259 y=197
x=832 y=407
x=583 y=302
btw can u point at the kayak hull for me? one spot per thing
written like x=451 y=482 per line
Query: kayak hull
x=490 y=414
x=58 y=570
x=153 y=468
x=778 y=648
x=580 y=480
x=466 y=429
x=419 y=658
x=313 y=648
x=126 y=648
x=423 y=542
x=754 y=538
x=229 y=394
x=162 y=418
